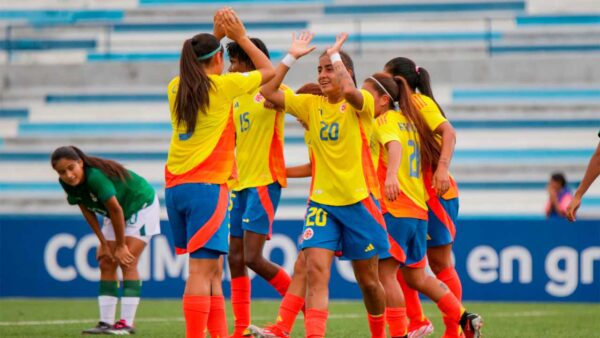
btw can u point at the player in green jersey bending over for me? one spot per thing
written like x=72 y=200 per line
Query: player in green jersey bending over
x=131 y=217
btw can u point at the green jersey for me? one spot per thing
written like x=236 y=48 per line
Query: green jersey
x=133 y=194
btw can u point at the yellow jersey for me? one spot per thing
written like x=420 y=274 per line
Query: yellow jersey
x=434 y=118
x=343 y=171
x=207 y=154
x=259 y=142
x=412 y=201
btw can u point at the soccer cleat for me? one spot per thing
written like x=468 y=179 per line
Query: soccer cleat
x=121 y=329
x=246 y=333
x=268 y=332
x=100 y=328
x=425 y=329
x=471 y=324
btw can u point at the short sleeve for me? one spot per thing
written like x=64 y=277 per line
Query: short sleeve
x=386 y=132
x=430 y=111
x=101 y=186
x=236 y=84
x=299 y=105
x=368 y=108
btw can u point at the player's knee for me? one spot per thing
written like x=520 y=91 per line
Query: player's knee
x=253 y=260
x=107 y=265
x=235 y=258
x=368 y=283
x=437 y=264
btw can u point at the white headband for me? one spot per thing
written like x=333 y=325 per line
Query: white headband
x=386 y=92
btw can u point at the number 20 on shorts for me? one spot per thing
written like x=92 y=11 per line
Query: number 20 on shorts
x=316 y=216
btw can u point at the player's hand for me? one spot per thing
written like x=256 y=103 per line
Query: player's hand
x=572 y=208
x=232 y=24
x=123 y=256
x=337 y=46
x=301 y=44
x=103 y=252
x=219 y=25
x=392 y=187
x=440 y=181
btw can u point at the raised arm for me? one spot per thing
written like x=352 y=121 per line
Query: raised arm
x=234 y=28
x=300 y=47
x=350 y=92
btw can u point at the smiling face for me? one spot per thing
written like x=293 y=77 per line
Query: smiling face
x=70 y=171
x=235 y=66
x=330 y=86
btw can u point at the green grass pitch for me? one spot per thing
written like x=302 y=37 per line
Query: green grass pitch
x=163 y=318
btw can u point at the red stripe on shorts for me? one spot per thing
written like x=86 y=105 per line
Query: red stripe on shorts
x=265 y=200
x=211 y=226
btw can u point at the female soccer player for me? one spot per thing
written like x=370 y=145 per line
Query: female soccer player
x=131 y=217
x=441 y=188
x=340 y=208
x=261 y=175
x=293 y=300
x=201 y=158
x=408 y=146
x=591 y=173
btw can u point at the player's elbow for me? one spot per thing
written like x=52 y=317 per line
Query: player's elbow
x=267 y=73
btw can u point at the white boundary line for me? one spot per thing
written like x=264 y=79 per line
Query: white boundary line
x=258 y=318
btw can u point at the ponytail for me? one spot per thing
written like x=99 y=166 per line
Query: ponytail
x=194 y=84
x=109 y=167
x=429 y=147
x=416 y=77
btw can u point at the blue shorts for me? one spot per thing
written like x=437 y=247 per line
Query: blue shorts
x=411 y=235
x=442 y=217
x=199 y=217
x=358 y=229
x=253 y=209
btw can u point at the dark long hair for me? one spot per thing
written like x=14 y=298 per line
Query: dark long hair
x=416 y=77
x=194 y=85
x=236 y=51
x=109 y=167
x=400 y=91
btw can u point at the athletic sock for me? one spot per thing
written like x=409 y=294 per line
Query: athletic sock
x=288 y=311
x=315 y=323
x=107 y=300
x=240 y=302
x=452 y=311
x=414 y=311
x=281 y=282
x=450 y=278
x=377 y=325
x=397 y=321
x=217 y=320
x=132 y=290
x=195 y=311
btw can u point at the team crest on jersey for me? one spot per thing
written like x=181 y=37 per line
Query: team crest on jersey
x=308 y=234
x=236 y=105
x=94 y=198
x=259 y=98
x=343 y=108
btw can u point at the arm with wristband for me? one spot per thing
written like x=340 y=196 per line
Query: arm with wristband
x=350 y=92
x=300 y=47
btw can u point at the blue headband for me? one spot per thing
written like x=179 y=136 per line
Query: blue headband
x=209 y=55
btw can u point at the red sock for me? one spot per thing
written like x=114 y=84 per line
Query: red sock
x=217 y=321
x=288 y=311
x=397 y=321
x=377 y=325
x=281 y=282
x=315 y=323
x=452 y=311
x=414 y=310
x=195 y=311
x=450 y=278
x=240 y=302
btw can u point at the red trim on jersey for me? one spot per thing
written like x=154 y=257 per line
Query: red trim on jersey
x=367 y=165
x=208 y=229
x=216 y=168
x=276 y=158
